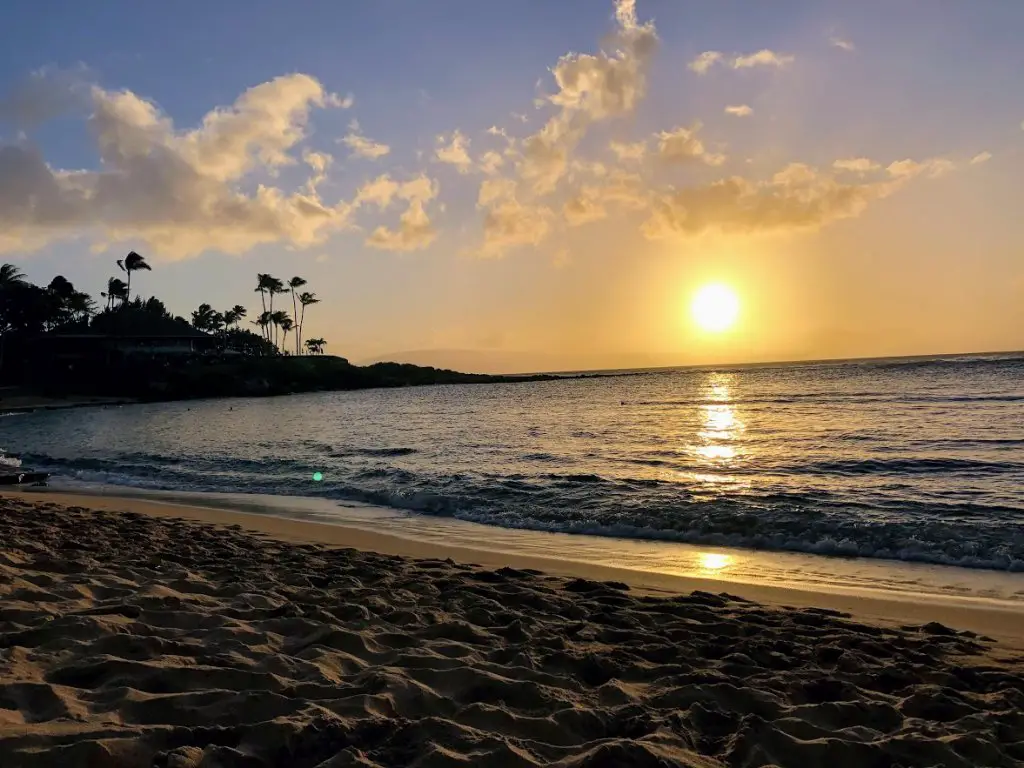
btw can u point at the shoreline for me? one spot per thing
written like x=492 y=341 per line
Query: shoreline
x=133 y=635
x=999 y=620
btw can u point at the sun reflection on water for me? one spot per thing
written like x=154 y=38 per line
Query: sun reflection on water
x=720 y=425
x=711 y=561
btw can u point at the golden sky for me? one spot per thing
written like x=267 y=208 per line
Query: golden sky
x=545 y=189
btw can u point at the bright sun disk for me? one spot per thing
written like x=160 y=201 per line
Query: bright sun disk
x=715 y=307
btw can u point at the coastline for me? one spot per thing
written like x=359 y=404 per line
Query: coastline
x=133 y=634
x=999 y=619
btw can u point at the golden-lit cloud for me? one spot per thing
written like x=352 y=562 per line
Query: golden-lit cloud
x=454 y=150
x=856 y=165
x=682 y=144
x=763 y=58
x=739 y=110
x=507 y=222
x=180 y=192
x=415 y=229
x=981 y=157
x=628 y=151
x=798 y=197
x=362 y=146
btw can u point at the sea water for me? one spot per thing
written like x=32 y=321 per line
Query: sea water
x=917 y=460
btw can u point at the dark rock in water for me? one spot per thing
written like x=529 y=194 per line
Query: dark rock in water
x=934 y=628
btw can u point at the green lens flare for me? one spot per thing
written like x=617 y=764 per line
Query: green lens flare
x=318 y=476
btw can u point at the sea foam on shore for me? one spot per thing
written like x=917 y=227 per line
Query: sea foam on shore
x=134 y=641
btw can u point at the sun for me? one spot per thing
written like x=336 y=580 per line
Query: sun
x=715 y=307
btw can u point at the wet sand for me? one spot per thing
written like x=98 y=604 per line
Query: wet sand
x=135 y=633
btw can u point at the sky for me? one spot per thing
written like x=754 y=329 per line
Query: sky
x=534 y=185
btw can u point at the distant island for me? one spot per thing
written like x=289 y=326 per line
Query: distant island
x=57 y=341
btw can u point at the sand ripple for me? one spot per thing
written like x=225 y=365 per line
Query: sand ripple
x=134 y=641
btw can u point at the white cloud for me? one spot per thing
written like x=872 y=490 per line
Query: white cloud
x=363 y=147
x=981 y=157
x=705 y=61
x=682 y=144
x=629 y=151
x=384 y=190
x=763 y=58
x=179 y=192
x=454 y=151
x=838 y=42
x=740 y=110
x=856 y=165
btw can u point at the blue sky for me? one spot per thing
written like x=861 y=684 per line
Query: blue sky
x=828 y=261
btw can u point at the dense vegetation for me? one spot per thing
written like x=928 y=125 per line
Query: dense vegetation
x=57 y=340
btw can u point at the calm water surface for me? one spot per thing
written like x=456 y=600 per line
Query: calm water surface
x=920 y=461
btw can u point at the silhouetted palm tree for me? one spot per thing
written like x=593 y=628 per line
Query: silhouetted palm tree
x=203 y=318
x=286 y=325
x=278 y=318
x=236 y=313
x=133 y=262
x=296 y=282
x=10 y=275
x=316 y=346
x=263 y=321
x=306 y=299
x=117 y=290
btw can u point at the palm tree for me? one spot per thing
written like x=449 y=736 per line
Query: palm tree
x=233 y=315
x=10 y=275
x=117 y=289
x=263 y=285
x=278 y=318
x=133 y=262
x=263 y=321
x=286 y=326
x=204 y=318
x=306 y=299
x=316 y=346
x=296 y=282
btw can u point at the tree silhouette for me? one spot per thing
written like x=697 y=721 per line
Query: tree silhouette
x=133 y=262
x=306 y=299
x=296 y=282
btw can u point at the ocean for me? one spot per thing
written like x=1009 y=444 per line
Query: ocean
x=918 y=460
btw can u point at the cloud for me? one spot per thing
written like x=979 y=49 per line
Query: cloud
x=509 y=223
x=362 y=146
x=856 y=165
x=705 y=61
x=384 y=190
x=590 y=88
x=681 y=144
x=629 y=151
x=45 y=94
x=592 y=201
x=179 y=192
x=740 y=110
x=415 y=231
x=981 y=157
x=490 y=162
x=932 y=168
x=763 y=58
x=838 y=42
x=454 y=152
x=797 y=198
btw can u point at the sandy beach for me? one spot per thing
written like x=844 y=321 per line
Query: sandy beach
x=134 y=633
